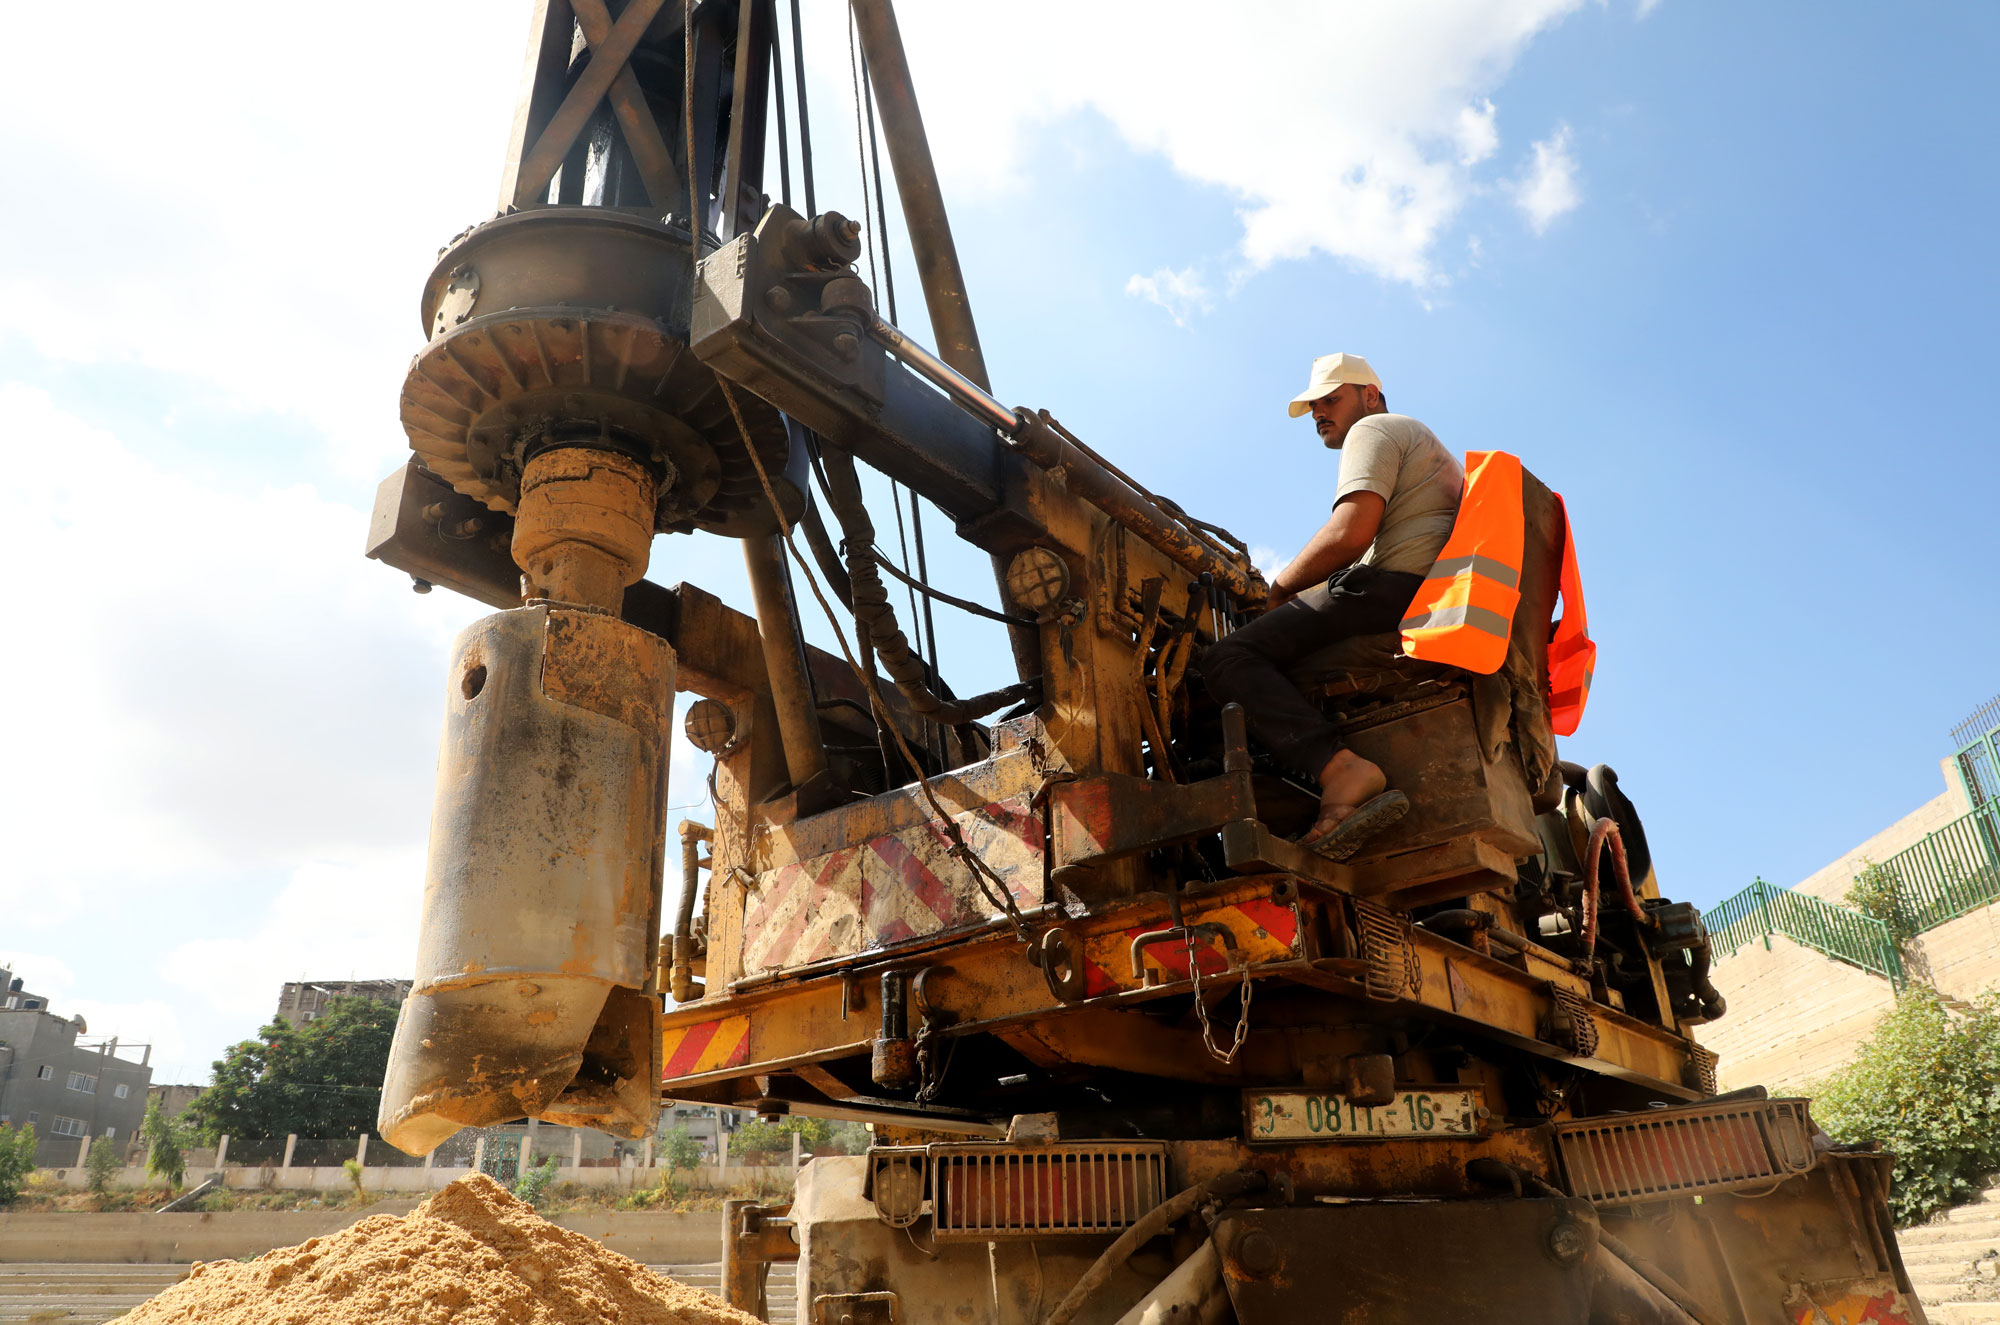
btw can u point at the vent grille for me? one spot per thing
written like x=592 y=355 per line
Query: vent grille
x=1393 y=966
x=1700 y=1073
x=1665 y=1153
x=992 y=1191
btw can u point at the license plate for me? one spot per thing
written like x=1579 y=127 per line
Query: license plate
x=1298 y=1116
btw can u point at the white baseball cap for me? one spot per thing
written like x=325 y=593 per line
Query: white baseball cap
x=1331 y=371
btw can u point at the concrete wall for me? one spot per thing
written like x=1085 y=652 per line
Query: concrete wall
x=1831 y=882
x=415 y=1178
x=1964 y=954
x=1794 y=1015
x=656 y=1239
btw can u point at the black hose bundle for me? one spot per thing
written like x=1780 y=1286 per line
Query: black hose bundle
x=870 y=600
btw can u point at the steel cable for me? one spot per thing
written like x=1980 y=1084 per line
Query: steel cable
x=991 y=885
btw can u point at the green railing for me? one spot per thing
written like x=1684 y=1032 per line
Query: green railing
x=1953 y=871
x=1845 y=935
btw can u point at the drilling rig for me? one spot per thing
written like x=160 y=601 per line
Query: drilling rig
x=1128 y=1052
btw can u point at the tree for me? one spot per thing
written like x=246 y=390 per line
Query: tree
x=164 y=1138
x=103 y=1163
x=679 y=1148
x=323 y=1079
x=1927 y=1087
x=17 y=1160
x=758 y=1137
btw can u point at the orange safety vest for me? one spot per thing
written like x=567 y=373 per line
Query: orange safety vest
x=1572 y=653
x=1463 y=613
x=1464 y=610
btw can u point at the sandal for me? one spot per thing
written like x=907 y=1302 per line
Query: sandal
x=1340 y=842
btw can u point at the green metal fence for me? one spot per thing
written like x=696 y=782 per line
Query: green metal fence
x=1978 y=742
x=1845 y=935
x=1952 y=871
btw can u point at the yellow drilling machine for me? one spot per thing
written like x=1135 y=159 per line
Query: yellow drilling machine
x=1128 y=1052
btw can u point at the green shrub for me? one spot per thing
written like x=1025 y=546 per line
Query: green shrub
x=679 y=1148
x=1878 y=894
x=1927 y=1087
x=164 y=1138
x=352 y=1167
x=103 y=1164
x=17 y=1160
x=533 y=1186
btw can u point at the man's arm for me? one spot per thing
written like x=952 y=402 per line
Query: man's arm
x=1356 y=518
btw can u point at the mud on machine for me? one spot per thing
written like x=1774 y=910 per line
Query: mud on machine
x=1129 y=1053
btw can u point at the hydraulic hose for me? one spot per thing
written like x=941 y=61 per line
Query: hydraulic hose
x=871 y=608
x=1222 y=1187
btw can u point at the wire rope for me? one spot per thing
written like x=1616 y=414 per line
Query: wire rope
x=991 y=885
x=805 y=117
x=778 y=92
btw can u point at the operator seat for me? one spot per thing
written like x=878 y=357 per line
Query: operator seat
x=1476 y=754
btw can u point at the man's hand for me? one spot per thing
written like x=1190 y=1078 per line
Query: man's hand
x=1356 y=518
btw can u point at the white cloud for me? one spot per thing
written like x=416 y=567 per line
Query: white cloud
x=254 y=199
x=1182 y=293
x=220 y=681
x=333 y=920
x=1549 y=188
x=1476 y=134
x=1369 y=114
x=222 y=702
x=1647 y=6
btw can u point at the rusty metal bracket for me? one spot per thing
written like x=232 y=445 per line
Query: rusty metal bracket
x=1207 y=929
x=753 y=1236
x=1060 y=955
x=883 y=1308
x=1110 y=815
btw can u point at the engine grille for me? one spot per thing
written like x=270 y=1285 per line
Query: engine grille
x=991 y=1191
x=1664 y=1153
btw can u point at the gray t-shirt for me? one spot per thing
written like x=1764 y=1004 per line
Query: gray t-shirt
x=1402 y=462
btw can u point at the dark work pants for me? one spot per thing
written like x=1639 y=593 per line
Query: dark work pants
x=1248 y=667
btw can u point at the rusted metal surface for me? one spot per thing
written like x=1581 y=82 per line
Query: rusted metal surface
x=584 y=527
x=784 y=665
x=985 y=987
x=542 y=892
x=1412 y=1264
x=754 y=1236
x=1701 y=1148
x=878 y=873
x=846 y=1252
x=567 y=324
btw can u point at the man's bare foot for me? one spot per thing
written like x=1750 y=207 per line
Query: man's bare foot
x=1345 y=784
x=1353 y=807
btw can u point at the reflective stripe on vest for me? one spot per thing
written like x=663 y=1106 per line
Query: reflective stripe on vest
x=1464 y=611
x=1572 y=653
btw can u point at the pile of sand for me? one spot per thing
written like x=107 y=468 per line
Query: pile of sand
x=471 y=1255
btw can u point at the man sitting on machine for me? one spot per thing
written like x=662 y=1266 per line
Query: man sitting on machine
x=1393 y=510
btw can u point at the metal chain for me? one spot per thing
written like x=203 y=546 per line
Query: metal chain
x=931 y=1064
x=1201 y=1008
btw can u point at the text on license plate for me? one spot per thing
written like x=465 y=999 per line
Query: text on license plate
x=1299 y=1116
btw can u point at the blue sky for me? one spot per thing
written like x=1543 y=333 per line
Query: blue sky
x=1721 y=274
